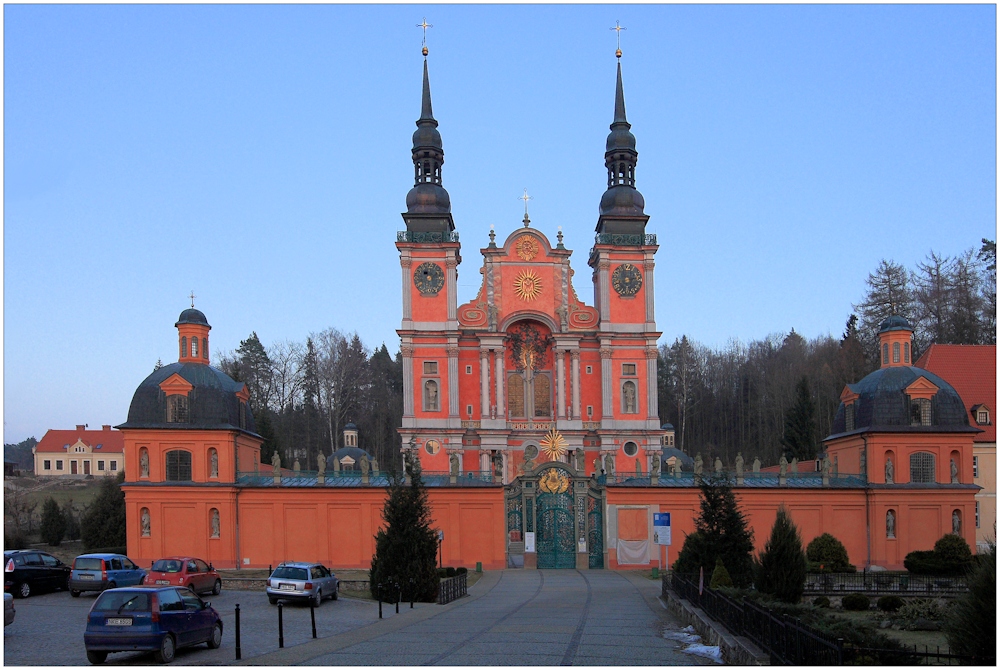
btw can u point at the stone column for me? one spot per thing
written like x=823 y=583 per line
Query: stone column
x=407 y=351
x=560 y=383
x=647 y=285
x=501 y=407
x=452 y=380
x=407 y=292
x=452 y=277
x=653 y=408
x=575 y=358
x=607 y=392
x=484 y=378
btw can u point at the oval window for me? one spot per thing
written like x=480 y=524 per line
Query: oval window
x=432 y=447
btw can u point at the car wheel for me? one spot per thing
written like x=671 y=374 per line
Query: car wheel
x=217 y=589
x=215 y=641
x=97 y=657
x=24 y=589
x=272 y=600
x=74 y=593
x=167 y=650
x=318 y=598
x=111 y=585
x=335 y=592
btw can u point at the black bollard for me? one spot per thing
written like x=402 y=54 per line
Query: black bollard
x=312 y=615
x=239 y=650
x=399 y=595
x=378 y=590
x=411 y=592
x=281 y=628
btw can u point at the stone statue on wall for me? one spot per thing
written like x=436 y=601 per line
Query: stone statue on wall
x=453 y=464
x=783 y=466
x=597 y=466
x=563 y=315
x=215 y=524
x=756 y=464
x=296 y=466
x=214 y=464
x=638 y=467
x=497 y=464
x=374 y=466
x=954 y=471
x=630 y=398
x=888 y=471
x=609 y=464
x=336 y=464
x=956 y=523
x=698 y=464
x=793 y=467
x=144 y=522
x=276 y=460
x=363 y=461
x=836 y=465
x=581 y=460
x=655 y=465
x=144 y=463
x=826 y=466
x=677 y=467
x=739 y=463
x=718 y=465
x=890 y=524
x=321 y=464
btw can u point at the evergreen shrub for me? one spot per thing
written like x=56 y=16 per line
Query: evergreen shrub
x=782 y=567
x=720 y=576
x=721 y=531
x=889 y=603
x=971 y=625
x=856 y=602
x=828 y=554
x=449 y=572
x=950 y=557
x=53 y=526
x=461 y=571
x=821 y=601
x=104 y=523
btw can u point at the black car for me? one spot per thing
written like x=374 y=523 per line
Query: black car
x=27 y=571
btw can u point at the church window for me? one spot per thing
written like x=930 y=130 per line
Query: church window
x=177 y=409
x=849 y=417
x=178 y=466
x=468 y=369
x=431 y=403
x=468 y=410
x=895 y=352
x=515 y=396
x=630 y=403
x=885 y=353
x=975 y=467
x=628 y=369
x=590 y=410
x=920 y=412
x=430 y=367
x=184 y=346
x=204 y=348
x=590 y=370
x=906 y=352
x=194 y=347
x=922 y=468
x=631 y=449
x=543 y=396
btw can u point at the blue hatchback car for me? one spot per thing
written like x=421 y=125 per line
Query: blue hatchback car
x=96 y=572
x=160 y=619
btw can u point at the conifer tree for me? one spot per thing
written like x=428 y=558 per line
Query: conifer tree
x=406 y=548
x=971 y=624
x=103 y=526
x=53 y=526
x=723 y=533
x=799 y=439
x=782 y=569
x=72 y=523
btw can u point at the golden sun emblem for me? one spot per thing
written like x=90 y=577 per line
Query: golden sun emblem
x=553 y=444
x=526 y=247
x=553 y=481
x=527 y=286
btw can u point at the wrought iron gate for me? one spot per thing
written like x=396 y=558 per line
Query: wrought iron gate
x=555 y=544
x=595 y=533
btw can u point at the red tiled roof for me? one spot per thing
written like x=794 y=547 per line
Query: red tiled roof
x=972 y=370
x=111 y=441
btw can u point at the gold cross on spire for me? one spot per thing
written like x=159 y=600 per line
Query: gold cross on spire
x=192 y=296
x=618 y=28
x=526 y=198
x=423 y=43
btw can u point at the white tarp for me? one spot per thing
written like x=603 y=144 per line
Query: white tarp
x=633 y=552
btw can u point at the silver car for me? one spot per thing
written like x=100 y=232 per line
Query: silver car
x=8 y=609
x=302 y=581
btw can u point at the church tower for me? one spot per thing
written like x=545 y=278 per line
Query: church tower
x=429 y=254
x=622 y=261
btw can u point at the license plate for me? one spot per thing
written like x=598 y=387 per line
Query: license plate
x=286 y=587
x=86 y=576
x=162 y=581
x=125 y=621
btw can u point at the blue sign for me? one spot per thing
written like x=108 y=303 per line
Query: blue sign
x=661 y=528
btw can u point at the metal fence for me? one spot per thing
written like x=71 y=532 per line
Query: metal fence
x=354 y=478
x=452 y=588
x=878 y=583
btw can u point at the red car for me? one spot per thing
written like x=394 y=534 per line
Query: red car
x=193 y=573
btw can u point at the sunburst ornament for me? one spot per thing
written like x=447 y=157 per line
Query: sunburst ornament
x=554 y=444
x=526 y=247
x=527 y=286
x=553 y=481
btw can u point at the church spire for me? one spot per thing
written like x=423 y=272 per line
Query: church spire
x=621 y=199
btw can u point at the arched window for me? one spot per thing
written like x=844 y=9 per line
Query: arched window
x=906 y=352
x=630 y=400
x=922 y=468
x=177 y=409
x=515 y=396
x=895 y=352
x=920 y=412
x=885 y=353
x=184 y=346
x=204 y=348
x=543 y=396
x=178 y=466
x=194 y=347
x=431 y=399
x=849 y=417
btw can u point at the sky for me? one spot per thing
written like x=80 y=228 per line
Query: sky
x=259 y=156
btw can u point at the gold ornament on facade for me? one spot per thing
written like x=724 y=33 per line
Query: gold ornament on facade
x=554 y=444
x=526 y=247
x=527 y=286
x=553 y=481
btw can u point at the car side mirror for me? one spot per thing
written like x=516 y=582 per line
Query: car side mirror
x=211 y=567
x=205 y=604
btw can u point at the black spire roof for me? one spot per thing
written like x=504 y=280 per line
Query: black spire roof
x=428 y=199
x=621 y=205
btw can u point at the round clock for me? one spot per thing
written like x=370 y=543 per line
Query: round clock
x=626 y=279
x=428 y=278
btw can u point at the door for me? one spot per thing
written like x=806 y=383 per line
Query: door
x=86 y=467
x=72 y=467
x=555 y=542
x=174 y=616
x=205 y=580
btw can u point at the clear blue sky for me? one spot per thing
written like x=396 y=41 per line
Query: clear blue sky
x=260 y=155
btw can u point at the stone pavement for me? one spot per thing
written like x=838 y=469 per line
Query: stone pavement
x=514 y=617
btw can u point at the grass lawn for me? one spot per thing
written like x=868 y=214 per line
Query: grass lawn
x=932 y=639
x=82 y=492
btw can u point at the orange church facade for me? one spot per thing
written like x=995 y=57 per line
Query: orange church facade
x=534 y=418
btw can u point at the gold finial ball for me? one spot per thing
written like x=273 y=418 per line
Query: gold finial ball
x=424 y=51
x=618 y=53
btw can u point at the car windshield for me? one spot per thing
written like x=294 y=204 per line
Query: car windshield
x=165 y=565
x=284 y=572
x=87 y=564
x=122 y=601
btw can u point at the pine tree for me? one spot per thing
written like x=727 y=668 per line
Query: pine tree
x=724 y=531
x=782 y=568
x=799 y=439
x=103 y=526
x=406 y=548
x=53 y=526
x=889 y=293
x=971 y=624
x=72 y=523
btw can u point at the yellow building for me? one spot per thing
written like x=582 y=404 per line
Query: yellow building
x=80 y=452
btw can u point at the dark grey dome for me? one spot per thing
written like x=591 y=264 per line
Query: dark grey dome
x=687 y=463
x=882 y=403
x=427 y=136
x=354 y=452
x=428 y=199
x=895 y=323
x=350 y=426
x=622 y=200
x=212 y=403
x=192 y=315
x=620 y=138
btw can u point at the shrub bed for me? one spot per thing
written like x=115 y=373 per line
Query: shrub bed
x=856 y=602
x=889 y=603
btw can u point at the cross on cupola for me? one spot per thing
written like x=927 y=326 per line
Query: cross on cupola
x=618 y=28
x=192 y=296
x=525 y=198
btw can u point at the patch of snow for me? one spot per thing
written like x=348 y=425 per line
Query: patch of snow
x=689 y=629
x=681 y=636
x=713 y=653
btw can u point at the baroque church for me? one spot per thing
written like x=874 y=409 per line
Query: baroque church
x=533 y=417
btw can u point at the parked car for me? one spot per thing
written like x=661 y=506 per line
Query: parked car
x=196 y=574
x=97 y=572
x=149 y=618
x=8 y=609
x=28 y=571
x=302 y=581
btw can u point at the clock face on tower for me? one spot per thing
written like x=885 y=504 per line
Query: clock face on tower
x=627 y=280
x=428 y=278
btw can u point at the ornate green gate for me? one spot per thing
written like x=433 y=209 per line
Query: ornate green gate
x=595 y=533
x=555 y=544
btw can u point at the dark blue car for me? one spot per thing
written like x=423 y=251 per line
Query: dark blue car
x=160 y=619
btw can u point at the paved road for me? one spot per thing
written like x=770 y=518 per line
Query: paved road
x=516 y=617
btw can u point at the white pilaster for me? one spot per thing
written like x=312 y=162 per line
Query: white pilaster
x=452 y=278
x=607 y=393
x=407 y=293
x=575 y=358
x=561 y=383
x=453 y=380
x=407 y=352
x=501 y=406
x=484 y=378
